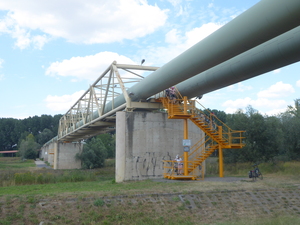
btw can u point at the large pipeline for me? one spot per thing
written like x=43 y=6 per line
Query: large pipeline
x=262 y=22
x=273 y=54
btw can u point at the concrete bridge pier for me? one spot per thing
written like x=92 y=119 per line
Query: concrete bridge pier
x=144 y=139
x=62 y=155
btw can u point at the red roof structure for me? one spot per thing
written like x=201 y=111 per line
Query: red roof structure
x=13 y=151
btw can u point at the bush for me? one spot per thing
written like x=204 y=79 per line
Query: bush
x=93 y=155
x=28 y=148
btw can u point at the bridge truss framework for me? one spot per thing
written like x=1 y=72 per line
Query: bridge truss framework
x=89 y=116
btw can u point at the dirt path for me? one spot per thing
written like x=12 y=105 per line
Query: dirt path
x=41 y=164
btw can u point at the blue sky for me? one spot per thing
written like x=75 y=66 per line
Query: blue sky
x=51 y=51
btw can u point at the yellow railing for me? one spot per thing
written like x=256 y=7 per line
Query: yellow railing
x=184 y=107
x=217 y=133
x=195 y=154
x=171 y=169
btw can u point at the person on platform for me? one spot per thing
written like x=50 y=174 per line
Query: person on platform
x=172 y=95
x=179 y=165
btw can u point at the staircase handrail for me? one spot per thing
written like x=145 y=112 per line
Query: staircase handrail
x=229 y=135
x=223 y=124
x=204 y=142
x=202 y=153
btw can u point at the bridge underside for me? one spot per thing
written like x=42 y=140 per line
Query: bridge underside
x=99 y=127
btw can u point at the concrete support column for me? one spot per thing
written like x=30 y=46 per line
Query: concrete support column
x=66 y=155
x=55 y=155
x=120 y=146
x=62 y=155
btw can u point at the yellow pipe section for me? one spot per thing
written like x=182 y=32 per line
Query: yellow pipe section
x=185 y=154
x=221 y=169
x=185 y=136
x=185 y=105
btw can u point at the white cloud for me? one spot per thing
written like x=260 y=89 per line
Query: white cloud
x=238 y=103
x=277 y=90
x=276 y=71
x=298 y=83
x=22 y=35
x=230 y=110
x=199 y=33
x=87 y=21
x=271 y=107
x=62 y=103
x=89 y=67
x=39 y=41
x=172 y=37
x=275 y=112
x=1 y=62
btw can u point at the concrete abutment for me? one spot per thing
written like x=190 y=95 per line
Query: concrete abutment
x=144 y=140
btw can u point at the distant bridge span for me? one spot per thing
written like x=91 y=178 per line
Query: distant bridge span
x=263 y=38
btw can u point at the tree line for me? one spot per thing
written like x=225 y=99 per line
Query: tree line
x=267 y=138
x=13 y=131
x=30 y=134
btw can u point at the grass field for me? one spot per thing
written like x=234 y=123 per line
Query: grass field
x=10 y=163
x=102 y=201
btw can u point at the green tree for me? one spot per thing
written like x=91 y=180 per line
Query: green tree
x=295 y=110
x=274 y=142
x=8 y=136
x=109 y=142
x=291 y=129
x=28 y=148
x=93 y=155
x=13 y=131
x=264 y=137
x=44 y=136
x=221 y=115
x=236 y=121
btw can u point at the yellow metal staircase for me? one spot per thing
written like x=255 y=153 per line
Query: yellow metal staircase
x=217 y=135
